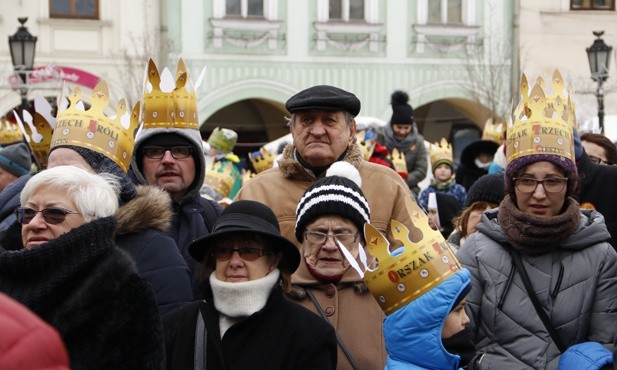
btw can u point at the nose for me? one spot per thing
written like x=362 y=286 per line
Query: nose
x=38 y=222
x=539 y=192
x=465 y=319
x=167 y=157
x=317 y=128
x=330 y=243
x=235 y=261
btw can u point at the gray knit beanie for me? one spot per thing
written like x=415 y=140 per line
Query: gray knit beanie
x=16 y=159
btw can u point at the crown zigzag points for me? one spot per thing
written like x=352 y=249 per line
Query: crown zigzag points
x=38 y=129
x=441 y=151
x=493 y=131
x=9 y=133
x=92 y=129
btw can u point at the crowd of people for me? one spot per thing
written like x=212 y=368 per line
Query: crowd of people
x=154 y=250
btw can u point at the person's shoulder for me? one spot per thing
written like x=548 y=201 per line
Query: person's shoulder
x=303 y=318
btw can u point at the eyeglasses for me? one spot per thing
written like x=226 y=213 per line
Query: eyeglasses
x=247 y=254
x=598 y=160
x=158 y=152
x=52 y=215
x=318 y=237
x=528 y=185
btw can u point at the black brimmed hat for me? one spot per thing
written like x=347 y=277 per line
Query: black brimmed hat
x=253 y=217
x=324 y=97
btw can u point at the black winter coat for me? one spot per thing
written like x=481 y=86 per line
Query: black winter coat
x=89 y=290
x=281 y=336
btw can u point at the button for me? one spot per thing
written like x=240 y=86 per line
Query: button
x=330 y=291
x=329 y=311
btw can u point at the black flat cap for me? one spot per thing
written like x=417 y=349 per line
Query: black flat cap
x=324 y=97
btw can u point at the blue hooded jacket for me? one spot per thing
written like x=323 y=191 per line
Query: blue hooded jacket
x=413 y=333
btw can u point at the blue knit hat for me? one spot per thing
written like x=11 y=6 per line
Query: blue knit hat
x=16 y=159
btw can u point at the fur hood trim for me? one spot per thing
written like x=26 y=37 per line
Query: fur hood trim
x=290 y=167
x=150 y=209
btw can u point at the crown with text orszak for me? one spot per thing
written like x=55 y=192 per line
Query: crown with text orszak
x=112 y=136
x=9 y=133
x=168 y=101
x=542 y=123
x=38 y=130
x=441 y=152
x=494 y=131
x=261 y=160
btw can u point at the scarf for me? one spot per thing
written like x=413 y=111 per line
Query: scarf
x=391 y=141
x=317 y=171
x=442 y=185
x=534 y=234
x=237 y=301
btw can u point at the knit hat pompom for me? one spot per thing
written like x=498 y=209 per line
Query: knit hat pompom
x=345 y=169
x=337 y=194
x=402 y=112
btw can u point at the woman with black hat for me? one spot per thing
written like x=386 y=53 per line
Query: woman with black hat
x=245 y=322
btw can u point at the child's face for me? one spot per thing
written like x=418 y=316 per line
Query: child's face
x=443 y=172
x=456 y=320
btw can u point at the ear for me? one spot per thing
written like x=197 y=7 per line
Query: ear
x=276 y=259
x=352 y=131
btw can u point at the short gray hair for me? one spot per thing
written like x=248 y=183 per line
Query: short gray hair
x=349 y=118
x=95 y=196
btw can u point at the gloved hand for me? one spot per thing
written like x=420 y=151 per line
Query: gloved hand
x=578 y=146
x=585 y=356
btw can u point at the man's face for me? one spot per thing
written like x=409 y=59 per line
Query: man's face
x=321 y=137
x=170 y=174
x=6 y=178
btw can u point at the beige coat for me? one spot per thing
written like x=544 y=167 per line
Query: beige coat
x=281 y=189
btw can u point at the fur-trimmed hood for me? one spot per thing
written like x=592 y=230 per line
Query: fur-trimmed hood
x=150 y=209
x=290 y=167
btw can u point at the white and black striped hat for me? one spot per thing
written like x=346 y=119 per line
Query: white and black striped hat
x=337 y=194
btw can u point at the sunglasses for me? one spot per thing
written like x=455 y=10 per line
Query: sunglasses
x=158 y=152
x=247 y=254
x=51 y=215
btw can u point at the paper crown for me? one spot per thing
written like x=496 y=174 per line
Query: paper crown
x=261 y=160
x=247 y=175
x=441 y=152
x=398 y=160
x=221 y=178
x=9 y=133
x=38 y=130
x=92 y=129
x=494 y=131
x=223 y=139
x=542 y=123
x=169 y=102
x=366 y=144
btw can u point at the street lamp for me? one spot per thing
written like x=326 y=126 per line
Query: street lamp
x=22 y=45
x=599 y=55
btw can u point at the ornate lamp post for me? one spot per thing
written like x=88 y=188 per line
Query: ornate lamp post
x=599 y=55
x=22 y=45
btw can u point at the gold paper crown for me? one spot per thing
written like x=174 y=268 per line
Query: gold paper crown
x=9 y=133
x=38 y=129
x=93 y=129
x=168 y=102
x=425 y=262
x=542 y=123
x=220 y=178
x=247 y=175
x=261 y=160
x=398 y=160
x=441 y=151
x=367 y=146
x=494 y=131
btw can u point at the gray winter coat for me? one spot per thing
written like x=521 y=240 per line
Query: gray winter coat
x=577 y=286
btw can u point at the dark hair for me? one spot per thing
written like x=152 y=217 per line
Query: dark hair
x=610 y=151
x=248 y=239
x=461 y=221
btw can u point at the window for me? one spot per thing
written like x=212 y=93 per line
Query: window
x=445 y=11
x=86 y=9
x=244 y=8
x=346 y=10
x=592 y=4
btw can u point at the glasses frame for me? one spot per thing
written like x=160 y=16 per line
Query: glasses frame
x=260 y=252
x=564 y=181
x=308 y=235
x=47 y=216
x=170 y=149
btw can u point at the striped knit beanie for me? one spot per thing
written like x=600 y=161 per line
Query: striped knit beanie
x=337 y=194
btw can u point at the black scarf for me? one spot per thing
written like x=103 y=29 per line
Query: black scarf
x=316 y=170
x=534 y=234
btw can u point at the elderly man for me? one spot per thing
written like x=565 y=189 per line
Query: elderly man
x=323 y=129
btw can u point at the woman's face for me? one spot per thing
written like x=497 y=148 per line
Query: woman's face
x=474 y=218
x=39 y=231
x=239 y=266
x=400 y=131
x=326 y=258
x=540 y=202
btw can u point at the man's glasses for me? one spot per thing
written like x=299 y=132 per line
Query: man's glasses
x=598 y=160
x=247 y=254
x=158 y=152
x=528 y=185
x=52 y=215
x=318 y=237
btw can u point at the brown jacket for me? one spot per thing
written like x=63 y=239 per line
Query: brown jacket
x=282 y=187
x=352 y=310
